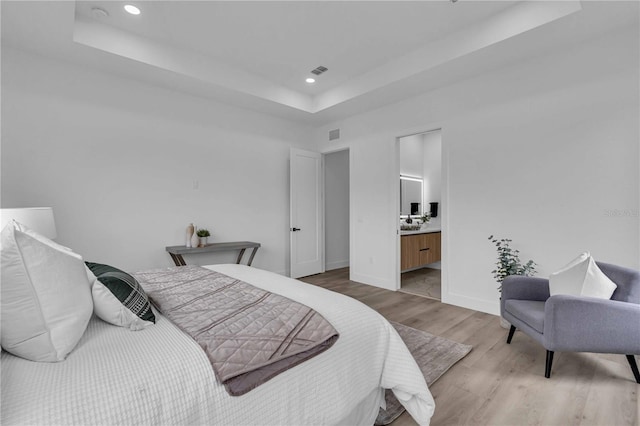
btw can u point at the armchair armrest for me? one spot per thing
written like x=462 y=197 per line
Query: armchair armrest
x=587 y=324
x=525 y=288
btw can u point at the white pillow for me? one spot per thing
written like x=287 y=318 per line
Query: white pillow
x=110 y=309
x=22 y=228
x=46 y=299
x=582 y=277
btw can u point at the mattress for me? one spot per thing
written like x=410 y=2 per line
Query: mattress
x=160 y=376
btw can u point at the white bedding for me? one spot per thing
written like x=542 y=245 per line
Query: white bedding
x=160 y=376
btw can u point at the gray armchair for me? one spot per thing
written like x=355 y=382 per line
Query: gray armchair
x=576 y=324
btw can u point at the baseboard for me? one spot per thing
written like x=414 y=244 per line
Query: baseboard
x=481 y=305
x=374 y=281
x=336 y=265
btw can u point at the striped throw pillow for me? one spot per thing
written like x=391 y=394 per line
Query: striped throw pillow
x=119 y=299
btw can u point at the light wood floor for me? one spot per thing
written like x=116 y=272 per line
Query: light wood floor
x=500 y=384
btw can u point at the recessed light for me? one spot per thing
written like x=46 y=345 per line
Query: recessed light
x=310 y=80
x=132 y=9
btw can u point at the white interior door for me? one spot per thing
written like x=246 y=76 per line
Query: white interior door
x=306 y=215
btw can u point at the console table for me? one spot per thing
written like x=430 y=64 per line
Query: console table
x=176 y=252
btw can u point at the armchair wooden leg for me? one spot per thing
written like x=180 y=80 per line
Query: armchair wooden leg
x=547 y=368
x=511 y=331
x=634 y=367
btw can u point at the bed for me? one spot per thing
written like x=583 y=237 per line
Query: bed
x=160 y=376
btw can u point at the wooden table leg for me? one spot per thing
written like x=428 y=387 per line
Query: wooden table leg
x=253 y=253
x=240 y=256
x=178 y=259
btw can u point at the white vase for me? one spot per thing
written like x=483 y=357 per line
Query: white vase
x=190 y=231
x=203 y=241
x=424 y=225
x=195 y=240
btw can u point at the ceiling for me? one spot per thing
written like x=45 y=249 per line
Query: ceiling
x=283 y=41
x=258 y=54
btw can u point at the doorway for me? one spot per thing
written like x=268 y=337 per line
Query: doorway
x=336 y=209
x=420 y=207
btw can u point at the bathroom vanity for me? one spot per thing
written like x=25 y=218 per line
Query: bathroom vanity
x=419 y=248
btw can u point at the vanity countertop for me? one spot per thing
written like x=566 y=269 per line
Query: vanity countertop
x=421 y=231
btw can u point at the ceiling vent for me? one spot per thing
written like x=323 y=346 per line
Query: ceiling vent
x=319 y=70
x=99 y=13
x=334 y=134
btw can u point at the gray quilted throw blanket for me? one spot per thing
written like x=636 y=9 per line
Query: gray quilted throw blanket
x=250 y=335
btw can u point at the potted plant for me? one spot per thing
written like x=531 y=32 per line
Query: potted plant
x=425 y=218
x=203 y=234
x=509 y=263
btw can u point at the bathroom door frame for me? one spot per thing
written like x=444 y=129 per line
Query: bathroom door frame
x=443 y=210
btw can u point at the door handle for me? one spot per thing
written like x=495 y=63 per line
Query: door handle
x=295 y=229
x=424 y=249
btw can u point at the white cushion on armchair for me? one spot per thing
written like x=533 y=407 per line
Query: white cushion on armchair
x=581 y=277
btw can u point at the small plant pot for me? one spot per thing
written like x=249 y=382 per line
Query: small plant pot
x=203 y=241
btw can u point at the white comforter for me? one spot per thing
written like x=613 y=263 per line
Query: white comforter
x=160 y=376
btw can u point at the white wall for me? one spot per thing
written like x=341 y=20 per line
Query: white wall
x=540 y=152
x=336 y=189
x=544 y=152
x=117 y=160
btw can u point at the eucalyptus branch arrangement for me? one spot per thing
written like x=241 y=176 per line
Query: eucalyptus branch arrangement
x=509 y=263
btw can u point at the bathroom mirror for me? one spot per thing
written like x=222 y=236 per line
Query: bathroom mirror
x=410 y=196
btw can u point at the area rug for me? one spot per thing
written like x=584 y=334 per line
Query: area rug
x=434 y=355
